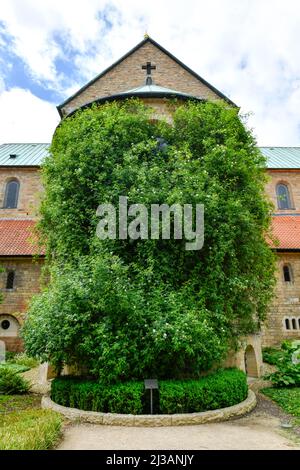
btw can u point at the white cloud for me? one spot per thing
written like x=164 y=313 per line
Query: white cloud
x=214 y=38
x=26 y=118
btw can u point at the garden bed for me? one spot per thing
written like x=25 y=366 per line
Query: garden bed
x=220 y=390
x=116 y=419
x=287 y=398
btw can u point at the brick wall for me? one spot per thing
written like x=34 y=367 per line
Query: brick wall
x=129 y=74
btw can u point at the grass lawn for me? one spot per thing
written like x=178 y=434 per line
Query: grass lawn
x=287 y=398
x=24 y=426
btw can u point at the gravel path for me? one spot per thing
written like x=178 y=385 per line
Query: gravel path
x=260 y=429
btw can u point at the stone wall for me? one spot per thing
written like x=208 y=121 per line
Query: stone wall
x=249 y=356
x=29 y=193
x=129 y=74
x=15 y=303
x=12 y=344
x=286 y=303
x=292 y=179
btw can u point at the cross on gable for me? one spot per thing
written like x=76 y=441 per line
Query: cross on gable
x=148 y=67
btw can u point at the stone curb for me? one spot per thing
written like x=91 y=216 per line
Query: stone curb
x=115 y=419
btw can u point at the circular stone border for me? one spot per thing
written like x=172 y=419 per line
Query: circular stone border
x=115 y=419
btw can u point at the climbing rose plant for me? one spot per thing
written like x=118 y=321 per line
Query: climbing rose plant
x=128 y=309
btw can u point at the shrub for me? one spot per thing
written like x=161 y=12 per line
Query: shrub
x=12 y=383
x=90 y=395
x=129 y=309
x=218 y=390
x=23 y=360
x=288 y=370
x=9 y=355
x=99 y=318
x=16 y=368
x=29 y=430
x=272 y=355
x=287 y=375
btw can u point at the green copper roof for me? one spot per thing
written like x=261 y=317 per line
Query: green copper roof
x=23 y=154
x=282 y=157
x=34 y=154
x=153 y=89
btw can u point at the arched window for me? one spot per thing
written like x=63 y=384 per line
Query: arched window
x=11 y=194
x=10 y=280
x=283 y=196
x=9 y=325
x=287 y=273
x=292 y=323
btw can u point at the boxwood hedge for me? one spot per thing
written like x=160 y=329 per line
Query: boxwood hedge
x=223 y=388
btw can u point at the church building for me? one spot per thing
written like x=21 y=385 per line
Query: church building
x=154 y=75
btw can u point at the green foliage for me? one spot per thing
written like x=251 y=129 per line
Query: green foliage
x=287 y=398
x=11 y=382
x=9 y=355
x=90 y=395
x=218 y=390
x=224 y=388
x=272 y=355
x=15 y=368
x=22 y=359
x=129 y=309
x=96 y=317
x=29 y=430
x=9 y=403
x=288 y=373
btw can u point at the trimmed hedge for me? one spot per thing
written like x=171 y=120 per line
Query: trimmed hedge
x=92 y=396
x=221 y=389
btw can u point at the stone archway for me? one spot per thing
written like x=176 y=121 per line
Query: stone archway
x=250 y=362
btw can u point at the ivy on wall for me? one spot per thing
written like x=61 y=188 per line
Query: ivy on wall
x=125 y=309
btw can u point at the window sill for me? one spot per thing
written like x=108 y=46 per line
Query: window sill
x=286 y=210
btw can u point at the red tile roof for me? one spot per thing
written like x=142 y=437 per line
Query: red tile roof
x=16 y=238
x=286 y=228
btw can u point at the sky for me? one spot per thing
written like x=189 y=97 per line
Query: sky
x=248 y=49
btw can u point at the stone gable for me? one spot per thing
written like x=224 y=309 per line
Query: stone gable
x=129 y=74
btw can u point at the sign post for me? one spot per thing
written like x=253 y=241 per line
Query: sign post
x=151 y=384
